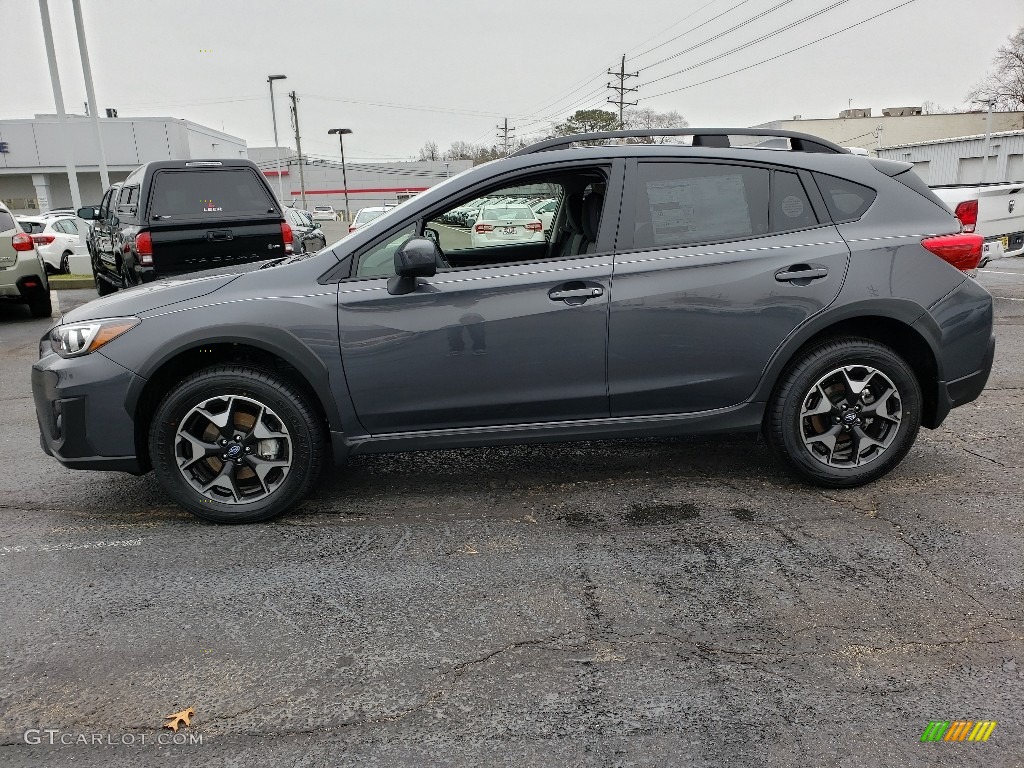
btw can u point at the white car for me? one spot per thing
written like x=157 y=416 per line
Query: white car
x=57 y=239
x=366 y=215
x=545 y=211
x=504 y=225
x=324 y=213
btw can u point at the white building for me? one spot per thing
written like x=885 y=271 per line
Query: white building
x=33 y=176
x=962 y=160
x=898 y=126
x=369 y=184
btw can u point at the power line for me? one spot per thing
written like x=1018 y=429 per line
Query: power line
x=692 y=29
x=784 y=53
x=771 y=34
x=711 y=39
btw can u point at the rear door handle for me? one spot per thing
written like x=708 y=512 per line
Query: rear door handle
x=575 y=292
x=800 y=272
x=222 y=234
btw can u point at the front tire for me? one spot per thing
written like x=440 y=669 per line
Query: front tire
x=234 y=444
x=845 y=413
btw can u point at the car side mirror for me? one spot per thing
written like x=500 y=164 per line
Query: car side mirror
x=416 y=257
x=114 y=221
x=89 y=213
x=433 y=234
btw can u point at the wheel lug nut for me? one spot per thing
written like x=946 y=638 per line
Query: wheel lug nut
x=223 y=441
x=238 y=438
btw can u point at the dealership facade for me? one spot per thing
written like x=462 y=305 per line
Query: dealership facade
x=34 y=178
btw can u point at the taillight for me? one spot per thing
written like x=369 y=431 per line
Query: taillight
x=967 y=212
x=963 y=251
x=22 y=242
x=43 y=239
x=286 y=235
x=144 y=248
x=535 y=226
x=352 y=227
x=481 y=228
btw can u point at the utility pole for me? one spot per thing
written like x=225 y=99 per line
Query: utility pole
x=622 y=75
x=504 y=136
x=987 y=147
x=298 y=147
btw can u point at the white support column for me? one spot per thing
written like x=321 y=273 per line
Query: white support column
x=58 y=98
x=41 y=182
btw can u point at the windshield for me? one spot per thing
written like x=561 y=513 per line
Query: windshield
x=364 y=216
x=506 y=214
x=32 y=227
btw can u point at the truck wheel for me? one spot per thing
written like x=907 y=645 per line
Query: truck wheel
x=845 y=413
x=234 y=444
x=39 y=305
x=103 y=288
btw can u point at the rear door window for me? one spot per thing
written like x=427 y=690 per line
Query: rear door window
x=681 y=203
x=202 y=194
x=846 y=200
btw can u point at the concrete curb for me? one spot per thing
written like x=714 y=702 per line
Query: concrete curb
x=74 y=283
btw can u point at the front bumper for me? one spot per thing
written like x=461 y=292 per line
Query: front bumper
x=80 y=407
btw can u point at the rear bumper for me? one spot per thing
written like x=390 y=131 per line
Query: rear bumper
x=80 y=410
x=965 y=346
x=952 y=394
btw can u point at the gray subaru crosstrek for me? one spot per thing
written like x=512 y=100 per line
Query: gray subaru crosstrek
x=817 y=296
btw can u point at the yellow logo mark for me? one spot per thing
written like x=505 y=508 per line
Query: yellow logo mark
x=179 y=718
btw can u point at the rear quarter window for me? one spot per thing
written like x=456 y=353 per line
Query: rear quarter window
x=790 y=206
x=846 y=200
x=211 y=194
x=7 y=222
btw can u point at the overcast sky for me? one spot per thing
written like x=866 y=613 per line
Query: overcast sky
x=402 y=72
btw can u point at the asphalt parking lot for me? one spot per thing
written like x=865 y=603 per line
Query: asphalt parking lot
x=654 y=602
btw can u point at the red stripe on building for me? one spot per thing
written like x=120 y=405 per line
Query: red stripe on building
x=274 y=173
x=360 y=191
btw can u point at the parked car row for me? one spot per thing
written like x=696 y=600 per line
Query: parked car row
x=467 y=215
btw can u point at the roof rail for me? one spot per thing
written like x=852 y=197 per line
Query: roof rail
x=799 y=142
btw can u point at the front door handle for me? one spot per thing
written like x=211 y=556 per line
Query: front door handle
x=575 y=292
x=800 y=272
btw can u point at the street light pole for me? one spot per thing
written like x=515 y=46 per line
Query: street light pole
x=344 y=175
x=277 y=147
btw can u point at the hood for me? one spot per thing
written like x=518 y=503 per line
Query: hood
x=145 y=298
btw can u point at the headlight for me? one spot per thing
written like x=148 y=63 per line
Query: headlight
x=76 y=339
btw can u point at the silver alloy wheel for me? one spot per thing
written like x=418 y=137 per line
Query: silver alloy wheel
x=850 y=416
x=233 y=449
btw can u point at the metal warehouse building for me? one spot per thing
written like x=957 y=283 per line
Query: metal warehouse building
x=369 y=184
x=962 y=160
x=33 y=176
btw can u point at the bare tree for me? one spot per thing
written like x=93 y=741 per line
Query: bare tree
x=1003 y=86
x=644 y=119
x=429 y=151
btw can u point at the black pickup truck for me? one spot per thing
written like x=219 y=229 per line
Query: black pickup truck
x=180 y=216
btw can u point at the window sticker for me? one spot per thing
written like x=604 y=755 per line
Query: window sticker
x=793 y=206
x=702 y=208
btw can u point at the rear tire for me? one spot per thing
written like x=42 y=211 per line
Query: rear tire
x=65 y=263
x=845 y=413
x=262 y=461
x=40 y=305
x=103 y=288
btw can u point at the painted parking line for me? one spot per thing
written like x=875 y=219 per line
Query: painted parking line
x=994 y=272
x=55 y=303
x=1006 y=298
x=67 y=546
